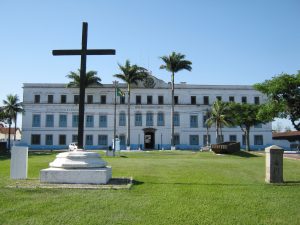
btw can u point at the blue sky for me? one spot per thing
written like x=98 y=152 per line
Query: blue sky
x=228 y=42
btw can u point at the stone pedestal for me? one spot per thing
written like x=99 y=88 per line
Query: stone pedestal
x=274 y=164
x=19 y=162
x=77 y=167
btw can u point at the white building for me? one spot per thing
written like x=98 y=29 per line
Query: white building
x=51 y=117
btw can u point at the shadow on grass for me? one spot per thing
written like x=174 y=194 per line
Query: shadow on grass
x=244 y=154
x=136 y=182
x=4 y=157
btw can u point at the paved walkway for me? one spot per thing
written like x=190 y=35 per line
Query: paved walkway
x=292 y=156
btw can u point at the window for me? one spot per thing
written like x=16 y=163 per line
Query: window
x=231 y=98
x=258 y=140
x=103 y=99
x=122 y=139
x=204 y=118
x=122 y=99
x=243 y=140
x=206 y=140
x=149 y=100
x=138 y=99
x=49 y=139
x=49 y=120
x=63 y=99
x=160 y=100
x=176 y=119
x=256 y=101
x=122 y=119
x=258 y=125
x=219 y=98
x=50 y=99
x=103 y=121
x=176 y=139
x=89 y=139
x=89 y=121
x=62 y=139
x=37 y=98
x=193 y=100
x=176 y=100
x=138 y=119
x=90 y=99
x=244 y=99
x=75 y=119
x=76 y=99
x=232 y=138
x=193 y=121
x=194 y=140
x=35 y=139
x=62 y=120
x=160 y=119
x=36 y=120
x=206 y=100
x=149 y=119
x=74 y=138
x=102 y=140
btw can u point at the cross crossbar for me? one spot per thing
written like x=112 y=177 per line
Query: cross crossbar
x=85 y=52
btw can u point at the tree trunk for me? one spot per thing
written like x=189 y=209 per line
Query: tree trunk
x=15 y=127
x=207 y=131
x=217 y=133
x=9 y=126
x=247 y=131
x=172 y=113
x=128 y=118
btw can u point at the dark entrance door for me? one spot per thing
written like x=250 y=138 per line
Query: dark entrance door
x=149 y=140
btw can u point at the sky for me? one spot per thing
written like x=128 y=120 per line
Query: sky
x=228 y=41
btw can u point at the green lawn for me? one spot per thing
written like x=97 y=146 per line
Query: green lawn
x=172 y=187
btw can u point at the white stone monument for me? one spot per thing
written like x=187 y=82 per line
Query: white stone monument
x=77 y=167
x=274 y=164
x=19 y=162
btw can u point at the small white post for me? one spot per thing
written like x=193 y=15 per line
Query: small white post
x=19 y=163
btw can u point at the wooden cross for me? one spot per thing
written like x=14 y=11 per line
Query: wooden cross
x=83 y=52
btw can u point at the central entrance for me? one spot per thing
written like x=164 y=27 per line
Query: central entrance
x=149 y=138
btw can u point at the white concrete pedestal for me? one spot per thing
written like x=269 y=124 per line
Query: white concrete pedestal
x=19 y=162
x=77 y=167
x=274 y=164
x=76 y=176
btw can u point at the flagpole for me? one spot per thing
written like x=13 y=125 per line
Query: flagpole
x=115 y=118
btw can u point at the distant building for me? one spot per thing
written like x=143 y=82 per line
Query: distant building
x=289 y=140
x=51 y=117
x=4 y=133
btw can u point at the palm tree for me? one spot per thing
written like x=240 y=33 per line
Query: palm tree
x=219 y=117
x=207 y=125
x=174 y=63
x=12 y=107
x=131 y=74
x=90 y=78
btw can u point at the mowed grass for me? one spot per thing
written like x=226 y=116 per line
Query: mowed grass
x=171 y=187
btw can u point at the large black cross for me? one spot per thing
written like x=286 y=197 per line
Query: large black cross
x=83 y=52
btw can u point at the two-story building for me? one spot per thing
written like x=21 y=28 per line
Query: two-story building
x=51 y=117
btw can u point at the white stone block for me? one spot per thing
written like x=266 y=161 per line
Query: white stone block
x=19 y=162
x=76 y=176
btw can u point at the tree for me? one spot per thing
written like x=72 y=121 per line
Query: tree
x=283 y=92
x=131 y=74
x=219 y=116
x=207 y=125
x=174 y=63
x=91 y=78
x=11 y=108
x=245 y=116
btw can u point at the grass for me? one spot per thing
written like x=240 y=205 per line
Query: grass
x=171 y=187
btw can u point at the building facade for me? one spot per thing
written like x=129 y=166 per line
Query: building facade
x=51 y=115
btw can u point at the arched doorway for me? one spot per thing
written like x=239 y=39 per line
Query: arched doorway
x=149 y=138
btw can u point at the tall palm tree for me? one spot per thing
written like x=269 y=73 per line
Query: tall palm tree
x=131 y=74
x=12 y=107
x=90 y=78
x=207 y=125
x=174 y=63
x=219 y=116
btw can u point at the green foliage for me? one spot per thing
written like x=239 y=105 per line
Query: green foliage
x=246 y=115
x=172 y=187
x=175 y=62
x=90 y=78
x=283 y=93
x=219 y=115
